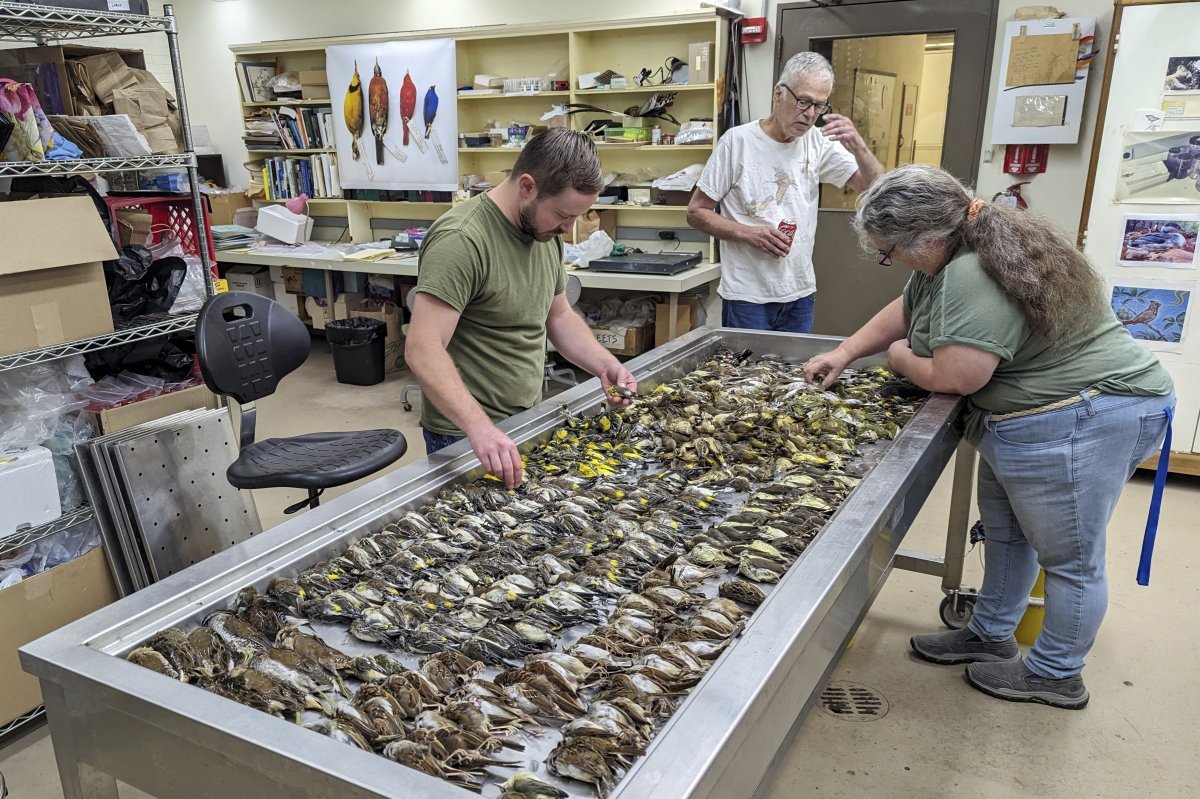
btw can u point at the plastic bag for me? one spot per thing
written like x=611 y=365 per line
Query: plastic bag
x=35 y=399
x=139 y=285
x=285 y=82
x=683 y=180
x=597 y=245
x=191 y=291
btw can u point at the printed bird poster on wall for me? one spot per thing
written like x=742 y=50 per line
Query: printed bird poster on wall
x=398 y=126
x=1154 y=314
x=1167 y=240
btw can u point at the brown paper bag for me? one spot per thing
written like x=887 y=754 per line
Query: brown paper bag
x=147 y=109
x=106 y=73
x=595 y=220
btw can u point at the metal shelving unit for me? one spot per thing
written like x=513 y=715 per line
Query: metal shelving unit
x=21 y=23
x=82 y=346
x=31 y=535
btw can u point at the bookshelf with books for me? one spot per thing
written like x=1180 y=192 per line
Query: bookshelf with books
x=289 y=150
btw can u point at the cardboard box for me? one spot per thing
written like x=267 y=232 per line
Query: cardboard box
x=53 y=71
x=314 y=84
x=291 y=278
x=123 y=417
x=52 y=286
x=39 y=605
x=677 y=197
x=393 y=347
x=620 y=340
x=222 y=207
x=254 y=279
x=318 y=310
x=687 y=318
x=700 y=62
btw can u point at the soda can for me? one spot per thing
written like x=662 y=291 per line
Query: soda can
x=788 y=228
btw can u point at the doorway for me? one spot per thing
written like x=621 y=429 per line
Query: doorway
x=913 y=75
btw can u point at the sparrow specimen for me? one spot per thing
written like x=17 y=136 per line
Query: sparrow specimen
x=377 y=94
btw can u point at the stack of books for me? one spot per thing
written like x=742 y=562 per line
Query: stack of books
x=232 y=237
x=305 y=128
x=262 y=134
x=314 y=175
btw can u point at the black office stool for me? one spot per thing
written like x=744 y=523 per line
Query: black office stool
x=246 y=344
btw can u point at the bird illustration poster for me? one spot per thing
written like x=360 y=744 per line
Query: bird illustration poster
x=1161 y=167
x=1161 y=240
x=388 y=137
x=1155 y=314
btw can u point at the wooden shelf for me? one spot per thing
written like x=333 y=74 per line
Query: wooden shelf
x=512 y=150
x=513 y=96
x=298 y=151
x=311 y=200
x=633 y=207
x=670 y=87
x=642 y=147
x=284 y=103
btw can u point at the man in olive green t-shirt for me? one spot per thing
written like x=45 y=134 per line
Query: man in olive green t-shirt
x=490 y=288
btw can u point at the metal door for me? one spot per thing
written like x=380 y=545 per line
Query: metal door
x=851 y=287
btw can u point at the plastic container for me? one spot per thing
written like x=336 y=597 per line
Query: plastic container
x=358 y=346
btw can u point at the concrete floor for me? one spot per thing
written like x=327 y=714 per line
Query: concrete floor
x=939 y=737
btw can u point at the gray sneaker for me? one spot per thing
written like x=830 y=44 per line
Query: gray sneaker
x=963 y=646
x=1015 y=682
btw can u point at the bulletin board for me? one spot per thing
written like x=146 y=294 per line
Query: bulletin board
x=1043 y=77
x=1141 y=209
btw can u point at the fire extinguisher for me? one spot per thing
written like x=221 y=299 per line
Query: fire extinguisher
x=1026 y=159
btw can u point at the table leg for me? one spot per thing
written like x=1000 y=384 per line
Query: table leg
x=958 y=525
x=329 y=294
x=673 y=307
x=79 y=780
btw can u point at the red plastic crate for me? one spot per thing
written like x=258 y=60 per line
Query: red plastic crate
x=167 y=213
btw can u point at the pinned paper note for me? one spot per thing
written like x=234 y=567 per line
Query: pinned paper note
x=1178 y=106
x=1039 y=111
x=1041 y=60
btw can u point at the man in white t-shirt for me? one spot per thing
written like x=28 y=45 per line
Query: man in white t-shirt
x=767 y=172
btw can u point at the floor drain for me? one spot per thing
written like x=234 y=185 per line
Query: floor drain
x=853 y=701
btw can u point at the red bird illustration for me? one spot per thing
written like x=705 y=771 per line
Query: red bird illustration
x=377 y=97
x=1146 y=316
x=408 y=102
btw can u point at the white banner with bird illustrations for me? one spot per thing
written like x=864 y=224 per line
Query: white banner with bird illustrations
x=399 y=123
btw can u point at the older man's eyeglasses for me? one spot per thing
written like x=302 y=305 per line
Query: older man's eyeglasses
x=804 y=103
x=885 y=258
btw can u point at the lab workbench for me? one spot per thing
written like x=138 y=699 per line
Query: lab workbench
x=406 y=266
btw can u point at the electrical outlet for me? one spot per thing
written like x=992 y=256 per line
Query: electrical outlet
x=667 y=235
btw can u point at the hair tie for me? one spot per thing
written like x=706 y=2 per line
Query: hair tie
x=974 y=208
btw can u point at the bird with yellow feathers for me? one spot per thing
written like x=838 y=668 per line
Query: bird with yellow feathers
x=352 y=107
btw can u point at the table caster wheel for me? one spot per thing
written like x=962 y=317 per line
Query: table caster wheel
x=956 y=611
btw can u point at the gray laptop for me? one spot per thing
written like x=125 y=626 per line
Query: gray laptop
x=647 y=263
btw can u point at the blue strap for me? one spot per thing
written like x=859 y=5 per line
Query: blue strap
x=1160 y=483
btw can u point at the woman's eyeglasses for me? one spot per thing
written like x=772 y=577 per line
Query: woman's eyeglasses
x=885 y=258
x=803 y=103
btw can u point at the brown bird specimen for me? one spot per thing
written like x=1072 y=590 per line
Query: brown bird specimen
x=1146 y=316
x=377 y=98
x=408 y=103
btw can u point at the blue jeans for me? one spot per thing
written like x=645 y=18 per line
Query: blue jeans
x=788 y=317
x=436 y=441
x=1048 y=485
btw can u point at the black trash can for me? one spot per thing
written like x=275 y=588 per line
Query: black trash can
x=357 y=346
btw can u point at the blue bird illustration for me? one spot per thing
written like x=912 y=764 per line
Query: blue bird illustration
x=1169 y=238
x=431 y=107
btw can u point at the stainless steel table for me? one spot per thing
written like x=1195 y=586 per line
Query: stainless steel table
x=112 y=720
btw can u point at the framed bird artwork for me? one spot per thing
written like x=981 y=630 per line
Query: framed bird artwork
x=393 y=122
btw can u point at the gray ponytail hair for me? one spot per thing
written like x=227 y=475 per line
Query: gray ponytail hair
x=923 y=209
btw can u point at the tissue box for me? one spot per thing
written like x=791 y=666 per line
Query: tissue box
x=28 y=489
x=280 y=223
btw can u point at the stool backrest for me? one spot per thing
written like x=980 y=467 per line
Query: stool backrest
x=247 y=343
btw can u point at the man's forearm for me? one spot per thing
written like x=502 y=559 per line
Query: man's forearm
x=709 y=221
x=443 y=386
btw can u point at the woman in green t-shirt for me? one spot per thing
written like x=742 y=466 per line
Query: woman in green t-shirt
x=1062 y=405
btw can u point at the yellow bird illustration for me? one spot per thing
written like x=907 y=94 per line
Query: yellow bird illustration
x=352 y=107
